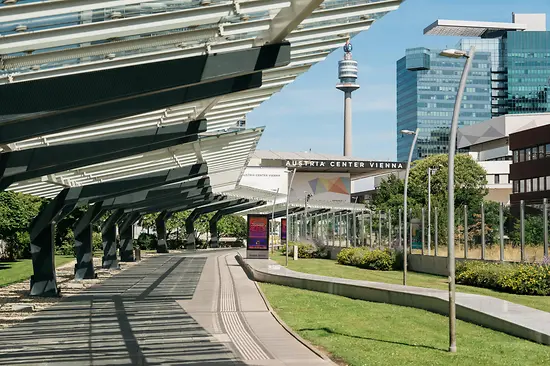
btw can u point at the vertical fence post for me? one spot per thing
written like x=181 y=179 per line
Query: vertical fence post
x=363 y=231
x=355 y=236
x=389 y=229
x=522 y=229
x=435 y=232
x=399 y=242
x=348 y=237
x=545 y=221
x=465 y=231
x=410 y=230
x=370 y=230
x=340 y=230
x=501 y=230
x=423 y=233
x=379 y=229
x=482 y=231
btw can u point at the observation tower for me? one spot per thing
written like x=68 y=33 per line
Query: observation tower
x=347 y=73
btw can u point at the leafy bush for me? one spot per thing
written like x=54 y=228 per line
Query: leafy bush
x=522 y=279
x=146 y=241
x=306 y=250
x=97 y=242
x=382 y=260
x=65 y=246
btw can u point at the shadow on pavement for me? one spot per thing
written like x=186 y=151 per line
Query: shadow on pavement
x=130 y=319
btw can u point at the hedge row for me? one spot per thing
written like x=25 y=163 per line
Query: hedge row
x=522 y=279
x=308 y=251
x=382 y=260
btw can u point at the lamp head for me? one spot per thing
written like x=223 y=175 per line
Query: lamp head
x=452 y=53
x=408 y=132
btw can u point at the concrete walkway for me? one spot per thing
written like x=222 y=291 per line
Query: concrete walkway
x=172 y=309
x=490 y=312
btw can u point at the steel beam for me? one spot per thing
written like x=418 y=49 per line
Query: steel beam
x=83 y=89
x=213 y=222
x=24 y=126
x=168 y=201
x=125 y=229
x=43 y=281
x=177 y=206
x=160 y=223
x=21 y=165
x=84 y=267
x=108 y=236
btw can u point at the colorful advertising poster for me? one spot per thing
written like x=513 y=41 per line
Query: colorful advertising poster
x=258 y=232
x=283 y=229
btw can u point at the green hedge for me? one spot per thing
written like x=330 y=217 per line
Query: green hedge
x=307 y=251
x=382 y=260
x=522 y=279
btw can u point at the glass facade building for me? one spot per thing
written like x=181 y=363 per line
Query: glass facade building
x=510 y=75
x=427 y=84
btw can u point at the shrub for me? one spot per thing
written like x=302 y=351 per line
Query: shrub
x=306 y=250
x=146 y=241
x=382 y=260
x=522 y=279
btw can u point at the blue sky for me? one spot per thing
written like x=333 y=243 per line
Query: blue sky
x=308 y=114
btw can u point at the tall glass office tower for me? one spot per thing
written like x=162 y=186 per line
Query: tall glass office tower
x=510 y=75
x=427 y=84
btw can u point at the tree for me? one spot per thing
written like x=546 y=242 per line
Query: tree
x=232 y=226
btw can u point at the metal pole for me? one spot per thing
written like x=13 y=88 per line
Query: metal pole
x=363 y=231
x=501 y=230
x=287 y=203
x=399 y=239
x=340 y=229
x=348 y=238
x=273 y=221
x=389 y=228
x=354 y=227
x=482 y=231
x=405 y=208
x=451 y=198
x=465 y=231
x=423 y=233
x=333 y=228
x=429 y=210
x=379 y=229
x=410 y=230
x=545 y=222
x=436 y=238
x=522 y=228
x=370 y=230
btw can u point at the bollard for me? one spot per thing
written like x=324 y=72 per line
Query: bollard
x=295 y=252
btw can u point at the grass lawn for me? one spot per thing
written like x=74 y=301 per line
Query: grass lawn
x=331 y=268
x=12 y=272
x=366 y=333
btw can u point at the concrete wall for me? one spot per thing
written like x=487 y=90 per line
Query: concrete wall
x=428 y=264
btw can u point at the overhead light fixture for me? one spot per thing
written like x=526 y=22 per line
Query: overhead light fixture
x=116 y=15
x=35 y=67
x=244 y=17
x=110 y=56
x=205 y=2
x=20 y=28
x=9 y=2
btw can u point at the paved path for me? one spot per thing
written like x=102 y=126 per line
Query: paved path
x=512 y=318
x=173 y=309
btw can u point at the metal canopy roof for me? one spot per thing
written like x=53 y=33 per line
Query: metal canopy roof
x=333 y=206
x=47 y=39
x=465 y=28
x=226 y=155
x=80 y=36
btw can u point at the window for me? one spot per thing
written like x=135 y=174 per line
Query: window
x=521 y=155
x=548 y=150
x=541 y=184
x=528 y=154
x=528 y=185
x=521 y=186
x=541 y=152
x=516 y=186
x=535 y=184
x=497 y=179
x=516 y=156
x=534 y=153
x=548 y=183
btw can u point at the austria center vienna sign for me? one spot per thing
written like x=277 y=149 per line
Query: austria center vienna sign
x=346 y=164
x=257 y=242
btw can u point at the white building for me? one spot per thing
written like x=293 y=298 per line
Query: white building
x=487 y=143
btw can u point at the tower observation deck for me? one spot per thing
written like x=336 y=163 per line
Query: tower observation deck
x=347 y=73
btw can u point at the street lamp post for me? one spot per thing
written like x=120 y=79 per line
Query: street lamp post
x=451 y=188
x=415 y=133
x=287 y=203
